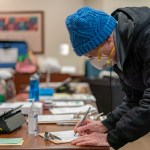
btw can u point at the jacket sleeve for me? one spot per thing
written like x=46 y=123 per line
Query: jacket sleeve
x=115 y=116
x=136 y=122
x=132 y=125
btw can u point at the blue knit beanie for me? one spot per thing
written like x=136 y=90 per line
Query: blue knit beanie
x=88 y=28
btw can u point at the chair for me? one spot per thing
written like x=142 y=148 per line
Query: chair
x=102 y=90
x=90 y=71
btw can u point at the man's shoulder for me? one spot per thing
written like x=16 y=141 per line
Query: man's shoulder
x=130 y=10
x=134 y=13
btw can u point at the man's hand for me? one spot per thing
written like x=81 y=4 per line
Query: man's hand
x=90 y=126
x=93 y=139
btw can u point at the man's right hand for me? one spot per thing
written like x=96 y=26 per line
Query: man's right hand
x=90 y=126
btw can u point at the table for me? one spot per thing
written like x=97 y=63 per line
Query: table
x=21 y=80
x=38 y=143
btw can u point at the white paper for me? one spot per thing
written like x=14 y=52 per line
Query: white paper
x=66 y=136
x=68 y=103
x=25 y=109
x=69 y=97
x=71 y=110
x=8 y=55
x=56 y=118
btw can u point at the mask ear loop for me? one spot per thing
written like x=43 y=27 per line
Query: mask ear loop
x=99 y=53
x=108 y=60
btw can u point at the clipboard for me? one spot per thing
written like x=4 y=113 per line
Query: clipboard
x=66 y=136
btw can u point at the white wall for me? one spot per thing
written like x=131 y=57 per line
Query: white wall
x=110 y=5
x=56 y=33
x=56 y=12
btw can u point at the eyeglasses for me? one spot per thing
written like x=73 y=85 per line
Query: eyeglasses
x=92 y=53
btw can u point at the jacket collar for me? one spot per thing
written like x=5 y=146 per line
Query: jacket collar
x=121 y=55
x=131 y=21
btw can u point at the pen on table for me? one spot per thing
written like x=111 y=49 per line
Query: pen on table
x=97 y=116
x=82 y=120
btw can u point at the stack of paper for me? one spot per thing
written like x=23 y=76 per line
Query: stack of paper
x=76 y=97
x=71 y=110
x=57 y=118
x=66 y=136
x=25 y=109
x=51 y=103
x=69 y=97
x=68 y=103
x=11 y=141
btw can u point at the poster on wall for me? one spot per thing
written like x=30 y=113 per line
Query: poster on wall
x=23 y=26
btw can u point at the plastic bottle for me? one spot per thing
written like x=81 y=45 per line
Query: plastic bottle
x=2 y=90
x=10 y=89
x=34 y=87
x=33 y=120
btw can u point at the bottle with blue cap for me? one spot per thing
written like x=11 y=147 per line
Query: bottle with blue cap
x=34 y=87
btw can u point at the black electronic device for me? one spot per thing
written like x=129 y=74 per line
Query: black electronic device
x=11 y=120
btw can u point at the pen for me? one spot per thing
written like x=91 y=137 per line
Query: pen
x=66 y=124
x=82 y=120
x=52 y=136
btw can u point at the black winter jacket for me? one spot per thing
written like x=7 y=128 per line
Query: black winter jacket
x=131 y=120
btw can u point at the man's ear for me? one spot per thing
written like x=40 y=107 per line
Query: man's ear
x=110 y=39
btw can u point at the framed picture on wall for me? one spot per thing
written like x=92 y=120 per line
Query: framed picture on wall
x=23 y=26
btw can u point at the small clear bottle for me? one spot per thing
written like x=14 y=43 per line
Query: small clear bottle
x=33 y=120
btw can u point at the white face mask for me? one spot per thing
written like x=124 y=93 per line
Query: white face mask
x=104 y=62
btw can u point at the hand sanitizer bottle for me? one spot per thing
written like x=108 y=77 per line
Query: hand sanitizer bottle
x=33 y=120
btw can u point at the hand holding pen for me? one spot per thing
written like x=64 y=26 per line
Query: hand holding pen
x=88 y=126
x=81 y=122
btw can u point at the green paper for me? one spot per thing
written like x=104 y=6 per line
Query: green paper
x=2 y=98
x=10 y=140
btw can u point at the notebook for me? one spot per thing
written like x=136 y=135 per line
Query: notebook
x=11 y=141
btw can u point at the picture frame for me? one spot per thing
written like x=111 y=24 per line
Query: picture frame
x=25 y=26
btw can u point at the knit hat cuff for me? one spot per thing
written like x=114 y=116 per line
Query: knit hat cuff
x=85 y=48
